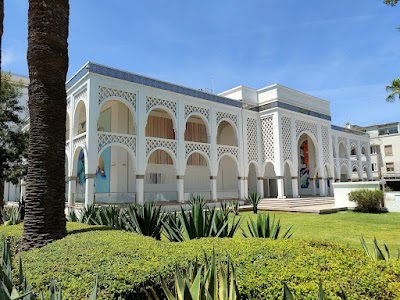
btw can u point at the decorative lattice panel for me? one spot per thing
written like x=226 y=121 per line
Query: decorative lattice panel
x=342 y=139
x=81 y=95
x=152 y=101
x=68 y=104
x=353 y=144
x=252 y=149
x=222 y=149
x=155 y=143
x=286 y=127
x=105 y=92
x=67 y=146
x=106 y=139
x=191 y=147
x=354 y=163
x=225 y=115
x=79 y=141
x=343 y=161
x=325 y=144
x=364 y=146
x=191 y=109
x=267 y=132
x=302 y=126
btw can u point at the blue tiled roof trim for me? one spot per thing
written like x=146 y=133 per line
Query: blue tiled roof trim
x=82 y=72
x=291 y=108
x=343 y=129
x=131 y=77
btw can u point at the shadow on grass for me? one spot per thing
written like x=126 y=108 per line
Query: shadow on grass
x=94 y=228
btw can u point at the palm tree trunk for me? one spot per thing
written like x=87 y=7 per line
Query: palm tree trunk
x=1 y=31
x=48 y=66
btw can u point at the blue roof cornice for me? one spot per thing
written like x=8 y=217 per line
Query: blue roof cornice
x=139 y=79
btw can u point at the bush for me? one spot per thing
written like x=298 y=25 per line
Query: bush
x=127 y=264
x=368 y=201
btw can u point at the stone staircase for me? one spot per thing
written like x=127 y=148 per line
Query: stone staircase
x=306 y=204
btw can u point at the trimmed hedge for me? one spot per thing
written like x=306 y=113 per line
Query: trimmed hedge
x=13 y=233
x=127 y=263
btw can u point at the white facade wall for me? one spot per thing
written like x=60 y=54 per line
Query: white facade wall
x=252 y=142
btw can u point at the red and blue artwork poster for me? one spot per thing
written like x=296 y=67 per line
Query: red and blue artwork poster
x=304 y=166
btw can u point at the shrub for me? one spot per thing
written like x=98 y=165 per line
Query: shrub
x=128 y=264
x=367 y=200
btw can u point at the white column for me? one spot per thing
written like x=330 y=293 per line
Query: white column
x=246 y=187
x=140 y=189
x=213 y=186
x=313 y=186
x=281 y=187
x=180 y=188
x=89 y=189
x=71 y=190
x=241 y=188
x=92 y=113
x=260 y=186
x=295 y=187
x=322 y=186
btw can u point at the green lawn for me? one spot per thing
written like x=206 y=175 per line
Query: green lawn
x=343 y=227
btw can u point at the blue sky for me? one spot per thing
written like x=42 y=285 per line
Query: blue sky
x=344 y=51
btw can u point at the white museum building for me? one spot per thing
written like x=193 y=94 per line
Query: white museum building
x=133 y=138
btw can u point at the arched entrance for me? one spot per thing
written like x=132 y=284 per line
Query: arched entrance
x=115 y=180
x=270 y=183
x=160 y=182
x=307 y=168
x=79 y=119
x=197 y=176
x=226 y=134
x=227 y=178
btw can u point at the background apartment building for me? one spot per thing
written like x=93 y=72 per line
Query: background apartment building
x=385 y=152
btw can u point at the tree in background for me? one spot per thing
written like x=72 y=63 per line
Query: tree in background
x=394 y=89
x=13 y=142
x=48 y=65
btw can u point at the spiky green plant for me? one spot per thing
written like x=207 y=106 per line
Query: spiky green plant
x=264 y=227
x=225 y=208
x=377 y=253
x=199 y=222
x=144 y=219
x=211 y=280
x=11 y=215
x=172 y=227
x=254 y=199
x=7 y=290
x=197 y=199
x=234 y=207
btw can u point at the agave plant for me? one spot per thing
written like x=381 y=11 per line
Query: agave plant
x=144 y=219
x=88 y=214
x=11 y=215
x=7 y=290
x=210 y=280
x=264 y=227
x=199 y=222
x=255 y=199
x=225 y=208
x=234 y=207
x=197 y=199
x=172 y=227
x=110 y=216
x=377 y=254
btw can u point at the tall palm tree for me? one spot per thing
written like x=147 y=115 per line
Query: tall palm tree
x=48 y=65
x=394 y=89
x=1 y=32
